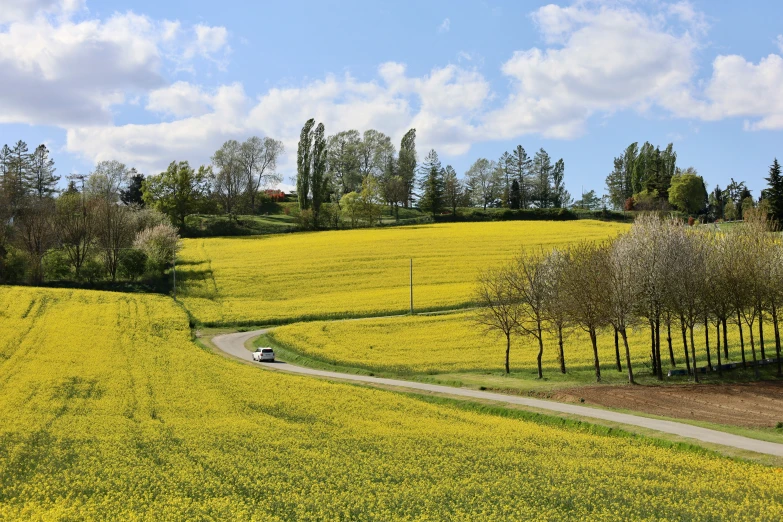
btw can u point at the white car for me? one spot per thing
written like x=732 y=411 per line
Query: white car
x=264 y=354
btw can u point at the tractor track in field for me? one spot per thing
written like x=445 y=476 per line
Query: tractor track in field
x=233 y=344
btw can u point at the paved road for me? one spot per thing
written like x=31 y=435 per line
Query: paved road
x=234 y=344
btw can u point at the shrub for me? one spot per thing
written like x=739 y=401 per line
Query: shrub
x=160 y=243
x=92 y=270
x=56 y=265
x=132 y=264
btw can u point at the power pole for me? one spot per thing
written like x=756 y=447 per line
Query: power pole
x=411 y=286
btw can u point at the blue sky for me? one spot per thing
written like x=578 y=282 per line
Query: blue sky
x=151 y=82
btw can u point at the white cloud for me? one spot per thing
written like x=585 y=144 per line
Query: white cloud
x=25 y=10
x=60 y=72
x=444 y=26
x=780 y=42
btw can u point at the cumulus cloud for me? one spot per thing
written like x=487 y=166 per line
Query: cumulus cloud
x=60 y=72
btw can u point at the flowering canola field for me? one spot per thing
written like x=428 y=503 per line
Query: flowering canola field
x=109 y=411
x=454 y=343
x=258 y=280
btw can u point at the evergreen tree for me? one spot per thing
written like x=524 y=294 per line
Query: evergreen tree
x=717 y=202
x=515 y=198
x=303 y=164
x=39 y=179
x=505 y=164
x=132 y=194
x=542 y=171
x=16 y=167
x=774 y=194
x=453 y=191
x=520 y=168
x=406 y=164
x=432 y=184
x=560 y=196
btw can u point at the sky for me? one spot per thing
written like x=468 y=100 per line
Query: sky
x=150 y=82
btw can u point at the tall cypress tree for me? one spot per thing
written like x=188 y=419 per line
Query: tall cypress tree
x=774 y=193
x=432 y=184
x=303 y=164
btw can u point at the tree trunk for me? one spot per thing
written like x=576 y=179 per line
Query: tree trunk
x=658 y=361
x=562 y=355
x=595 y=354
x=508 y=352
x=685 y=344
x=753 y=352
x=617 y=350
x=777 y=338
x=652 y=348
x=725 y=340
x=627 y=357
x=742 y=340
x=761 y=333
x=717 y=335
x=540 y=350
x=669 y=340
x=707 y=342
x=693 y=353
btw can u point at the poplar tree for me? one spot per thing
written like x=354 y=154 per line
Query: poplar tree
x=319 y=180
x=303 y=164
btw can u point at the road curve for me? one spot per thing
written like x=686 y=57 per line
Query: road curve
x=234 y=344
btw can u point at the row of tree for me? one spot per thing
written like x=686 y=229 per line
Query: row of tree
x=350 y=167
x=83 y=233
x=658 y=275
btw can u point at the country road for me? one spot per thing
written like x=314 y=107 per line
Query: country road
x=234 y=345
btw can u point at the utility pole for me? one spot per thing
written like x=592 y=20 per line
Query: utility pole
x=411 y=286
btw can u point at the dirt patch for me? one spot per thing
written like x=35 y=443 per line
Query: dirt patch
x=753 y=405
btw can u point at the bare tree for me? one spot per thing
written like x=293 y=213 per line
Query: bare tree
x=231 y=178
x=115 y=232
x=775 y=294
x=499 y=307
x=259 y=161
x=35 y=234
x=75 y=227
x=587 y=292
x=624 y=289
x=528 y=280
x=556 y=305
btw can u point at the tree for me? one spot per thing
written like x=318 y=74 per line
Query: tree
x=133 y=193
x=589 y=201
x=687 y=192
x=560 y=196
x=453 y=191
x=369 y=201
x=107 y=179
x=520 y=168
x=432 y=185
x=178 y=192
x=259 y=162
x=619 y=183
x=774 y=194
x=319 y=181
x=40 y=179
x=304 y=164
x=505 y=165
x=406 y=164
x=375 y=150
x=515 y=197
x=231 y=179
x=587 y=292
x=350 y=207
x=35 y=233
x=717 y=203
x=114 y=233
x=730 y=211
x=500 y=309
x=345 y=160
x=528 y=278
x=75 y=227
x=623 y=290
x=484 y=182
x=542 y=174
x=160 y=244
x=555 y=306
x=15 y=164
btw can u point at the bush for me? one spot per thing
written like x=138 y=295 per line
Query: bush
x=92 y=271
x=13 y=267
x=132 y=264
x=160 y=243
x=56 y=266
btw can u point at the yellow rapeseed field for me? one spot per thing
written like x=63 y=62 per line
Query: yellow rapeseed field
x=109 y=411
x=258 y=280
x=447 y=343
